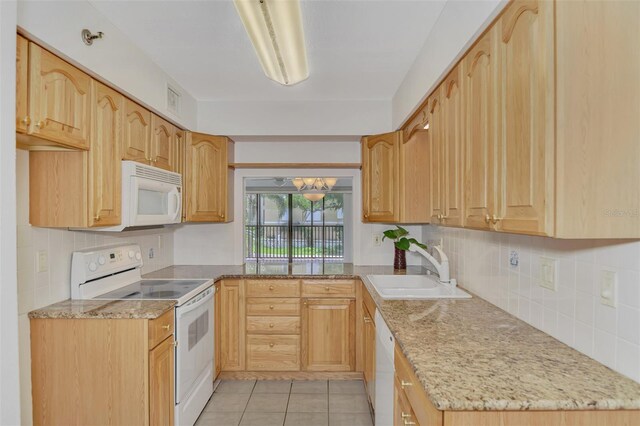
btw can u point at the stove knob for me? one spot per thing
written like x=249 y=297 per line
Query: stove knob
x=138 y=256
x=131 y=254
x=92 y=266
x=102 y=260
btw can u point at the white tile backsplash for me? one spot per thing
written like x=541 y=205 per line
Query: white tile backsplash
x=38 y=289
x=573 y=313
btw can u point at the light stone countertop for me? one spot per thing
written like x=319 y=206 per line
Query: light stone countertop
x=468 y=354
x=104 y=309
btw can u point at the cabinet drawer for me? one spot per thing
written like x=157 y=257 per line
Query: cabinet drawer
x=403 y=413
x=273 y=353
x=425 y=411
x=328 y=288
x=273 y=325
x=273 y=288
x=263 y=306
x=160 y=328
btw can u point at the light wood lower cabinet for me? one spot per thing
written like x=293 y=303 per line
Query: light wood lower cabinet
x=273 y=353
x=369 y=349
x=232 y=328
x=101 y=371
x=328 y=334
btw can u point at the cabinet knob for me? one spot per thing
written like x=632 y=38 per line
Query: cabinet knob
x=271 y=325
x=166 y=326
x=408 y=423
x=404 y=384
x=367 y=319
x=327 y=288
x=40 y=124
x=366 y=215
x=26 y=120
x=96 y=218
x=270 y=345
x=494 y=219
x=270 y=288
x=487 y=219
x=222 y=215
x=405 y=415
x=271 y=307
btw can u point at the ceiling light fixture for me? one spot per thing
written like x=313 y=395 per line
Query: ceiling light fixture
x=314 y=189
x=275 y=30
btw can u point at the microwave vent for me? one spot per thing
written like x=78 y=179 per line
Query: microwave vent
x=159 y=175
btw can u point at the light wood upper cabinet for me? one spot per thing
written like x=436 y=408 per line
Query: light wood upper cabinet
x=452 y=128
x=161 y=384
x=328 y=335
x=232 y=325
x=22 y=84
x=136 y=140
x=59 y=104
x=380 y=178
x=436 y=158
x=105 y=172
x=414 y=177
x=208 y=178
x=480 y=72
x=162 y=139
x=526 y=116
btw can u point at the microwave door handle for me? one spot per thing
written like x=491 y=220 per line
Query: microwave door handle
x=178 y=202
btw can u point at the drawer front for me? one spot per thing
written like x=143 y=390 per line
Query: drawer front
x=264 y=306
x=161 y=328
x=403 y=413
x=273 y=288
x=273 y=325
x=273 y=353
x=328 y=288
x=424 y=410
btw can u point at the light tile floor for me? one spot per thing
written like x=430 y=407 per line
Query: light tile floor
x=287 y=402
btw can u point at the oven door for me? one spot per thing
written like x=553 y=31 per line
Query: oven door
x=154 y=203
x=195 y=350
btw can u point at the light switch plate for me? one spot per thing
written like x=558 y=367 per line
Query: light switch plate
x=377 y=239
x=42 y=261
x=608 y=288
x=548 y=273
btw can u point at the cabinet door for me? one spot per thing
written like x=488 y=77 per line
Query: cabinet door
x=328 y=335
x=527 y=117
x=161 y=383
x=59 y=104
x=180 y=146
x=436 y=159
x=232 y=329
x=369 y=353
x=136 y=140
x=162 y=149
x=206 y=178
x=104 y=157
x=480 y=71
x=403 y=413
x=22 y=84
x=414 y=177
x=452 y=116
x=380 y=178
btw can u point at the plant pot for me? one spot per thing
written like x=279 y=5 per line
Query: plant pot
x=400 y=259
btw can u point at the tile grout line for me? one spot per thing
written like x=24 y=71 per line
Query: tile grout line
x=247 y=404
x=286 y=409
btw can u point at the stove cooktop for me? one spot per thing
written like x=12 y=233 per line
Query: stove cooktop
x=154 y=290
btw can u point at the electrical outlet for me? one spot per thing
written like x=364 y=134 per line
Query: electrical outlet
x=42 y=261
x=548 y=273
x=377 y=239
x=151 y=253
x=514 y=258
x=608 y=288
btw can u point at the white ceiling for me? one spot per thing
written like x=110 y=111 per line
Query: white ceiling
x=356 y=49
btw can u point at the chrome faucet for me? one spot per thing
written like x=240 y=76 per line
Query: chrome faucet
x=442 y=267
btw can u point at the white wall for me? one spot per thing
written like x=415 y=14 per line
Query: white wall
x=114 y=58
x=573 y=314
x=9 y=379
x=344 y=117
x=38 y=289
x=459 y=24
x=221 y=244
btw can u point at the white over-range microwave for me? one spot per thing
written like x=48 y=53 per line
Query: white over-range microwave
x=150 y=196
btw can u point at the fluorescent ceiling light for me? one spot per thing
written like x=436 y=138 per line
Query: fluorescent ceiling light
x=275 y=29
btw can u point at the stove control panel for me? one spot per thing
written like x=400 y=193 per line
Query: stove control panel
x=91 y=264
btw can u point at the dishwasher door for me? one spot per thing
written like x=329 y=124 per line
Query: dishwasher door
x=385 y=373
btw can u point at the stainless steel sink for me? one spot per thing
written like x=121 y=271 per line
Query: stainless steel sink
x=406 y=287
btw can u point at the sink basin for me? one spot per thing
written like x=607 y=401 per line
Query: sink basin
x=405 y=287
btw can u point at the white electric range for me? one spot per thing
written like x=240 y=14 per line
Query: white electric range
x=113 y=273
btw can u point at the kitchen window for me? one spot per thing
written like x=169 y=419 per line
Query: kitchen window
x=287 y=227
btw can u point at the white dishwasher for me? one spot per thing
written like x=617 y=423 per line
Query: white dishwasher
x=385 y=373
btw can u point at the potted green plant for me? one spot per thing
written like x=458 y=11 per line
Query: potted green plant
x=401 y=244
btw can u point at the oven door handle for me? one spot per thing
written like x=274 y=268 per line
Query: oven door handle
x=182 y=310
